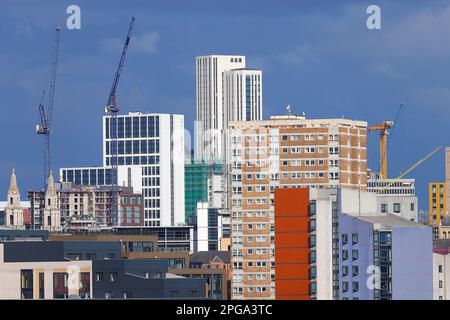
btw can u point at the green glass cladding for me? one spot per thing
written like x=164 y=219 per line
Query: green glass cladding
x=196 y=184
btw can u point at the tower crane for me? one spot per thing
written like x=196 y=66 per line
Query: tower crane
x=113 y=109
x=415 y=165
x=45 y=125
x=384 y=129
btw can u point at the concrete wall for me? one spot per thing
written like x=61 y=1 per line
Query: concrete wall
x=324 y=244
x=441 y=280
x=412 y=263
x=405 y=206
x=354 y=202
x=350 y=225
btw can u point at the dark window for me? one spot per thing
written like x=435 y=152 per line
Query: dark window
x=26 y=279
x=355 y=238
x=344 y=238
x=99 y=276
x=113 y=276
x=60 y=289
x=85 y=284
x=41 y=286
x=344 y=271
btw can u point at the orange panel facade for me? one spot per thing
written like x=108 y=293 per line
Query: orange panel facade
x=292 y=247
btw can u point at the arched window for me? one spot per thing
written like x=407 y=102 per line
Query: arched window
x=11 y=220
x=444 y=234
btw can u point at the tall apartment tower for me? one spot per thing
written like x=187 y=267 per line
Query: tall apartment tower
x=437 y=202
x=210 y=113
x=52 y=213
x=447 y=172
x=242 y=95
x=285 y=151
x=153 y=143
x=13 y=211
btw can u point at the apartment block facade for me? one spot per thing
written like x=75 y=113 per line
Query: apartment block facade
x=437 y=202
x=335 y=244
x=447 y=171
x=285 y=151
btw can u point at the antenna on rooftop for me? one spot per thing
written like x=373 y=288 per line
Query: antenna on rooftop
x=289 y=109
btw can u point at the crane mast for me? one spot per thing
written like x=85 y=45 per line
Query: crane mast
x=112 y=110
x=45 y=125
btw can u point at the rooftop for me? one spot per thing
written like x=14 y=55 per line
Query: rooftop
x=389 y=221
x=208 y=256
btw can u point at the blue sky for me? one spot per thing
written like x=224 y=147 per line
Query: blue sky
x=317 y=56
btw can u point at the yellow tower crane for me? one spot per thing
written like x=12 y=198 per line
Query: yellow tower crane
x=415 y=165
x=384 y=130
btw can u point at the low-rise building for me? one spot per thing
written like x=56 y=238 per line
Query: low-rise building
x=38 y=270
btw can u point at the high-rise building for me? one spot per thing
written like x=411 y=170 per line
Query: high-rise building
x=447 y=171
x=242 y=95
x=210 y=112
x=286 y=151
x=294 y=252
x=155 y=143
x=196 y=182
x=437 y=202
x=150 y=159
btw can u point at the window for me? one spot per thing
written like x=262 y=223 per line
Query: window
x=344 y=271
x=383 y=207
x=312 y=273
x=355 y=254
x=396 y=207
x=440 y=283
x=99 y=276
x=440 y=268
x=355 y=271
x=26 y=277
x=344 y=238
x=113 y=276
x=354 y=238
x=109 y=295
x=355 y=286
x=128 y=295
x=412 y=206
x=344 y=286
x=344 y=255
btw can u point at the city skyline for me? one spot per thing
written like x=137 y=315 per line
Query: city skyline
x=382 y=69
